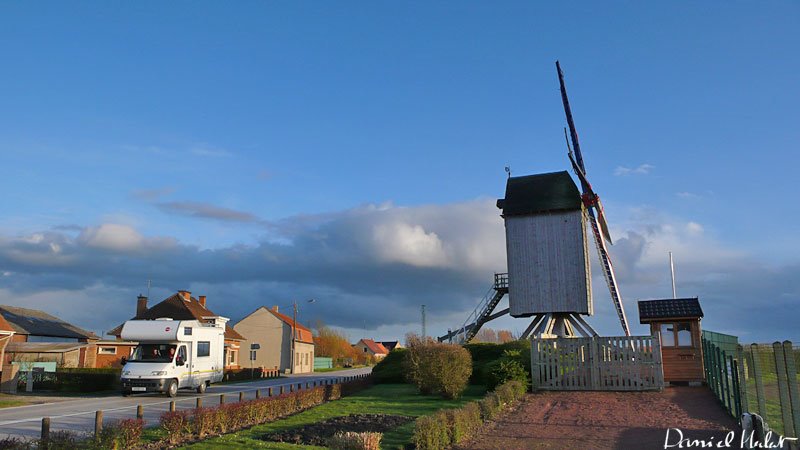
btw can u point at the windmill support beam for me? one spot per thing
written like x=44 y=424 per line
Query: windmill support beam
x=538 y=318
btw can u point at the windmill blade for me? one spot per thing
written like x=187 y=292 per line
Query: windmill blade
x=601 y=217
x=608 y=272
x=591 y=199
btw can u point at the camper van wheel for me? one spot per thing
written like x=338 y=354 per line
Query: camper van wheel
x=202 y=388
x=172 y=388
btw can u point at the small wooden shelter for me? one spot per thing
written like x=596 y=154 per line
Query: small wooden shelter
x=677 y=321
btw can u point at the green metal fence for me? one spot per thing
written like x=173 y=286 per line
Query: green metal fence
x=756 y=378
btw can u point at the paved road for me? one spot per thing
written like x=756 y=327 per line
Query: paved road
x=79 y=414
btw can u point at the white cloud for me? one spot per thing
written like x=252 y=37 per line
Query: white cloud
x=408 y=244
x=642 y=169
x=112 y=236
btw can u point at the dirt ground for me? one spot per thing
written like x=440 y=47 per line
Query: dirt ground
x=608 y=420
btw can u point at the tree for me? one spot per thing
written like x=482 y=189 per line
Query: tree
x=333 y=344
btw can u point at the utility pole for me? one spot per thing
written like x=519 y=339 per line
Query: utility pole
x=294 y=333
x=424 y=333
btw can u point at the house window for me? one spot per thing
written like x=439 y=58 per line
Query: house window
x=365 y=349
x=232 y=359
x=678 y=334
x=107 y=350
x=252 y=355
x=203 y=348
x=187 y=331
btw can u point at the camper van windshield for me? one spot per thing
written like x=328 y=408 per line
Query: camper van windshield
x=153 y=353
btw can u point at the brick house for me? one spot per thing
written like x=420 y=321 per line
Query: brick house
x=38 y=336
x=272 y=331
x=182 y=306
x=371 y=348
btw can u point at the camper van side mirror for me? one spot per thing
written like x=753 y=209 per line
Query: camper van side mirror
x=123 y=360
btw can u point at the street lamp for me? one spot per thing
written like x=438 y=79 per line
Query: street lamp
x=294 y=330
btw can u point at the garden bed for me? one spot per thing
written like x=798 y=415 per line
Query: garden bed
x=320 y=432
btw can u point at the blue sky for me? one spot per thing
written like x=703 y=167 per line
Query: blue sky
x=352 y=152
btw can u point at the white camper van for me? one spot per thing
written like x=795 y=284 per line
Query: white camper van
x=173 y=354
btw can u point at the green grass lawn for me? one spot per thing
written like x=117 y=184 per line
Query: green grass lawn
x=7 y=401
x=395 y=399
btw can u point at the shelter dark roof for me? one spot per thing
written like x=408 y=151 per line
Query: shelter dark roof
x=176 y=308
x=540 y=193
x=670 y=308
x=39 y=323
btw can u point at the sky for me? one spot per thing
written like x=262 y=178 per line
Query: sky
x=262 y=153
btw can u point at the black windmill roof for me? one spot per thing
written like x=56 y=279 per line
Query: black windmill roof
x=650 y=310
x=539 y=193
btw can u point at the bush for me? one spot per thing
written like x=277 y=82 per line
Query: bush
x=176 y=425
x=355 y=441
x=508 y=367
x=65 y=440
x=511 y=391
x=437 y=368
x=490 y=405
x=451 y=427
x=390 y=369
x=15 y=443
x=463 y=422
x=75 y=380
x=485 y=354
x=430 y=433
x=121 y=434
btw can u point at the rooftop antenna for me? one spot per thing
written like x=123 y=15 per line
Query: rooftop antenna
x=508 y=171
x=148 y=288
x=672 y=271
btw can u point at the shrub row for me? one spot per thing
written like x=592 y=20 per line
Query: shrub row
x=187 y=425
x=450 y=427
x=247 y=374
x=75 y=380
x=182 y=426
x=119 y=434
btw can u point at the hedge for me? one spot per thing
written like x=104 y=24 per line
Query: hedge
x=390 y=369
x=450 y=427
x=184 y=426
x=75 y=380
x=485 y=354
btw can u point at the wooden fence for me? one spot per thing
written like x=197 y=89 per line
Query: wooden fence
x=622 y=363
x=760 y=379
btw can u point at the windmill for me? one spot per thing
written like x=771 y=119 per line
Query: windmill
x=597 y=218
x=547 y=251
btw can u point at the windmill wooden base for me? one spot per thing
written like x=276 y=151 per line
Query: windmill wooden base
x=559 y=325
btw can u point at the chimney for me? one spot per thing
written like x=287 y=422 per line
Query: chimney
x=275 y=308
x=186 y=295
x=202 y=299
x=141 y=305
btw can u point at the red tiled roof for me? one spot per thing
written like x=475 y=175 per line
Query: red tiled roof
x=303 y=333
x=176 y=308
x=375 y=347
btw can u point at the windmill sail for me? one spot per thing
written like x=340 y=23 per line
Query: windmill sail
x=592 y=201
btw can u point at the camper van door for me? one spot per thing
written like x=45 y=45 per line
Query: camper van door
x=184 y=356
